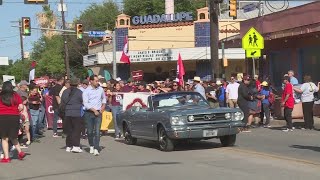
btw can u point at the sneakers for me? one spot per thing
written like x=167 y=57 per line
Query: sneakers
x=91 y=150
x=1 y=156
x=21 y=155
x=76 y=149
x=28 y=143
x=55 y=135
x=267 y=126
x=287 y=130
x=68 y=149
x=96 y=152
x=3 y=160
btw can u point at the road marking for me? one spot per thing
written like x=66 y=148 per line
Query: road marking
x=246 y=151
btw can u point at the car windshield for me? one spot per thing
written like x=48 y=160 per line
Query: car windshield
x=177 y=100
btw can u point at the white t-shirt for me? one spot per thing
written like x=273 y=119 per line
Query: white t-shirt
x=232 y=90
x=307 y=91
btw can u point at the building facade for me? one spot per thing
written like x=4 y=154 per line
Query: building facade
x=156 y=45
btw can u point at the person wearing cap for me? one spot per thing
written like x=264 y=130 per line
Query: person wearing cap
x=221 y=93
x=72 y=98
x=232 y=93
x=265 y=107
x=287 y=102
x=198 y=87
x=243 y=99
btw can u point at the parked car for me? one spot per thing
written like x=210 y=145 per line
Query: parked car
x=172 y=117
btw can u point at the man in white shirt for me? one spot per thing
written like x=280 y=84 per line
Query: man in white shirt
x=232 y=93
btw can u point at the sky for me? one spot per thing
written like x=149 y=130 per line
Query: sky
x=13 y=10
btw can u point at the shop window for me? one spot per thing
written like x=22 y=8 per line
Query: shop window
x=202 y=16
x=122 y=22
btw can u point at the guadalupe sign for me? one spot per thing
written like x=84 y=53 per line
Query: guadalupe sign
x=163 y=18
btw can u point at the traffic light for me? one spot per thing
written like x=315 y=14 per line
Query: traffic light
x=26 y=27
x=233 y=8
x=0 y=2
x=79 y=31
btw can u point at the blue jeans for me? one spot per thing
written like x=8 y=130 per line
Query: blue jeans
x=42 y=120
x=55 y=120
x=35 y=122
x=93 y=128
x=115 y=110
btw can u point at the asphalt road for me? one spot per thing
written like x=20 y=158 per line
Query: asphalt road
x=262 y=154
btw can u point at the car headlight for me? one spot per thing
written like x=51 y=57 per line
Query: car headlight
x=177 y=120
x=238 y=116
x=228 y=116
x=191 y=118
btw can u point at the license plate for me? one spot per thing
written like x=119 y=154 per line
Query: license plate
x=210 y=133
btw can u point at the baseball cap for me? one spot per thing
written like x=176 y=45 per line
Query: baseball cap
x=23 y=82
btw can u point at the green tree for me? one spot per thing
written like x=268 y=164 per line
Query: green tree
x=49 y=56
x=143 y=7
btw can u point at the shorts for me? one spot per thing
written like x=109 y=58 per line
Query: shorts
x=9 y=126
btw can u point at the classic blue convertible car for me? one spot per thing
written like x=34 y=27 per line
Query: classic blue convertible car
x=171 y=117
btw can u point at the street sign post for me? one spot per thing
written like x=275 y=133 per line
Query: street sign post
x=97 y=33
x=253 y=42
x=249 y=7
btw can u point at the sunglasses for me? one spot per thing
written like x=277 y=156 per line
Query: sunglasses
x=175 y=85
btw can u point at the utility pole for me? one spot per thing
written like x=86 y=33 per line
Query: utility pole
x=66 y=50
x=214 y=39
x=21 y=40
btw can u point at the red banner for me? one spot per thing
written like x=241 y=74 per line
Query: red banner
x=49 y=113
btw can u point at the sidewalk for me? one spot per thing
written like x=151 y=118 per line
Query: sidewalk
x=297 y=122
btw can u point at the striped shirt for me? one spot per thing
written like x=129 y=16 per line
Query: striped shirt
x=93 y=98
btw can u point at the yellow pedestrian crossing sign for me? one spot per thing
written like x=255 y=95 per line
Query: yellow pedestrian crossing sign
x=253 y=53
x=252 y=40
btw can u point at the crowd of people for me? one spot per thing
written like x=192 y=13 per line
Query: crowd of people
x=80 y=105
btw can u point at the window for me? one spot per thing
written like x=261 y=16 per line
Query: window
x=121 y=22
x=202 y=16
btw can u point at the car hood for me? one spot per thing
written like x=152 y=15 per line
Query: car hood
x=201 y=110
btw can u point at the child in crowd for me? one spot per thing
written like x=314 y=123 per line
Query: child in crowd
x=24 y=117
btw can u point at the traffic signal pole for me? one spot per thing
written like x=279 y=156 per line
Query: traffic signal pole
x=66 y=50
x=214 y=39
x=21 y=40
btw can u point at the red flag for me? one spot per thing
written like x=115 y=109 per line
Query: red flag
x=180 y=71
x=125 y=53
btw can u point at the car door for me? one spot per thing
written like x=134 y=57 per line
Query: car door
x=139 y=118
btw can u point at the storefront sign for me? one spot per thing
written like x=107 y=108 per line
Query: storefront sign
x=163 y=18
x=151 y=55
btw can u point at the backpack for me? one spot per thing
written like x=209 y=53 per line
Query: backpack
x=62 y=105
x=271 y=98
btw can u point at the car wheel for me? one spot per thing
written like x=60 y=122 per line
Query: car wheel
x=165 y=143
x=128 y=137
x=228 y=140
